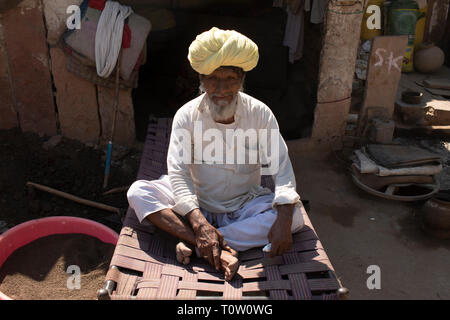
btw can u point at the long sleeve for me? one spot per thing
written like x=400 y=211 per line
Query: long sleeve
x=280 y=167
x=179 y=159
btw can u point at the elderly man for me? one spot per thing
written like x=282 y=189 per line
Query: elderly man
x=215 y=204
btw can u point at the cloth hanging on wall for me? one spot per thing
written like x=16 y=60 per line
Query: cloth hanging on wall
x=294 y=35
x=318 y=10
x=126 y=39
x=295 y=25
x=108 y=39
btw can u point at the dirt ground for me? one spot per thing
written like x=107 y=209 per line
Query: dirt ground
x=68 y=166
x=359 y=230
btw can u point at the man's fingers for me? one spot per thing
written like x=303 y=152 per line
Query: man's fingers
x=276 y=250
x=222 y=241
x=216 y=256
x=273 y=250
x=227 y=274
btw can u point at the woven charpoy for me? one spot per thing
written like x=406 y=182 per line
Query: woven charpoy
x=144 y=264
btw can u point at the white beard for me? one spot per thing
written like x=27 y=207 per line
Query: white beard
x=221 y=111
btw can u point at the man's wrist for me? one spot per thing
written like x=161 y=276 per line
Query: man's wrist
x=196 y=219
x=285 y=212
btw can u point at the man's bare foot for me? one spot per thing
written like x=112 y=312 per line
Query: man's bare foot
x=229 y=263
x=183 y=253
x=228 y=259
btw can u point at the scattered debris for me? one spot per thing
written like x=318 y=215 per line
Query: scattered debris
x=52 y=142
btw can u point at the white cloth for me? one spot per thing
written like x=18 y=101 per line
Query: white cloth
x=242 y=229
x=367 y=165
x=294 y=35
x=108 y=37
x=221 y=188
x=294 y=31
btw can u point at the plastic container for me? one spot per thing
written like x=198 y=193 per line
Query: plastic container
x=402 y=19
x=420 y=27
x=32 y=230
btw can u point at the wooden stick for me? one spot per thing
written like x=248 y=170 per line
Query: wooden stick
x=116 y=109
x=74 y=198
x=116 y=190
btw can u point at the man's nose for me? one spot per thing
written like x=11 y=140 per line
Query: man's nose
x=222 y=87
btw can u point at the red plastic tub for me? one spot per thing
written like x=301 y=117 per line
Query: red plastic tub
x=29 y=231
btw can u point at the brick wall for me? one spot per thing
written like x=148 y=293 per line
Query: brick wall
x=38 y=94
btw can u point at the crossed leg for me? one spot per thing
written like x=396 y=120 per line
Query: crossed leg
x=173 y=224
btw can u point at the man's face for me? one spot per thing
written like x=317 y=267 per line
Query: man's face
x=222 y=85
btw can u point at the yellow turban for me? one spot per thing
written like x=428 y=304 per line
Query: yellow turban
x=215 y=48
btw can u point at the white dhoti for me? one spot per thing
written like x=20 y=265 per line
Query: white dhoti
x=243 y=229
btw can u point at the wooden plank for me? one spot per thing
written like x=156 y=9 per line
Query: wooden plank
x=436 y=20
x=383 y=74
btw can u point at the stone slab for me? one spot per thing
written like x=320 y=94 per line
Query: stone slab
x=76 y=101
x=25 y=39
x=56 y=16
x=8 y=112
x=125 y=132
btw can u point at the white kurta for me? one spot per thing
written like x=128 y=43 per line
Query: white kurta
x=221 y=188
x=229 y=195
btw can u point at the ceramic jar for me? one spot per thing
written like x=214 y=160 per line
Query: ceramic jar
x=436 y=218
x=428 y=58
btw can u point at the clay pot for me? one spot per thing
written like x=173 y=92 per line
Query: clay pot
x=436 y=218
x=428 y=58
x=412 y=97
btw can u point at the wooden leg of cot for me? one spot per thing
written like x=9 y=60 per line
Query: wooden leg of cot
x=343 y=293
x=105 y=292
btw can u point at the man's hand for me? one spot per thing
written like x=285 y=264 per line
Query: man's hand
x=209 y=240
x=280 y=235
